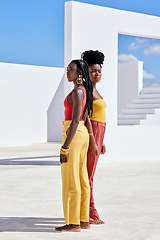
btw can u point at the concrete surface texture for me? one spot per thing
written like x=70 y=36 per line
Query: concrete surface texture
x=127 y=195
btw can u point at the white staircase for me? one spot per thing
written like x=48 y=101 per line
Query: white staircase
x=145 y=110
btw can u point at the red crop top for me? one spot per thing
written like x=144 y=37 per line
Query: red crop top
x=68 y=106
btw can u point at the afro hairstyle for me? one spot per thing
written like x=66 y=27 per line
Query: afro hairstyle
x=93 y=57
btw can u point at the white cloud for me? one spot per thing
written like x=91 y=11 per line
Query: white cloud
x=154 y=85
x=142 y=41
x=125 y=58
x=133 y=46
x=148 y=75
x=152 y=50
x=149 y=84
x=138 y=43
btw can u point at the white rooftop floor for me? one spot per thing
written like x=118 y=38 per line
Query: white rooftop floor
x=127 y=195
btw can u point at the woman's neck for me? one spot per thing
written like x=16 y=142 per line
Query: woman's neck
x=94 y=86
x=78 y=85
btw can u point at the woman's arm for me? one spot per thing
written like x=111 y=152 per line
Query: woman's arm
x=92 y=143
x=76 y=100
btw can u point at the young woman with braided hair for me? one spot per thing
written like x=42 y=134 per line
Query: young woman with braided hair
x=73 y=153
x=96 y=125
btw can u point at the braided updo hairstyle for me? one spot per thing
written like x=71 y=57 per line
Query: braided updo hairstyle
x=93 y=57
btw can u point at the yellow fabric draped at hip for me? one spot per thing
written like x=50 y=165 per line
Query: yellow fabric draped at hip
x=75 y=183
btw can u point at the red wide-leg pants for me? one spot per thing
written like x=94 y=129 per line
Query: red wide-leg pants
x=98 y=131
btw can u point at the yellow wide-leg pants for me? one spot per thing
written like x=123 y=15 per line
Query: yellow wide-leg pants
x=75 y=183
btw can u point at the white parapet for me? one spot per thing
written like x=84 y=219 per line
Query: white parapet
x=26 y=93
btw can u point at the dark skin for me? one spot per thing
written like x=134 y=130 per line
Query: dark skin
x=95 y=76
x=92 y=144
x=75 y=99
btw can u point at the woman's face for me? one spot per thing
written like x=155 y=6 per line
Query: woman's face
x=72 y=72
x=95 y=73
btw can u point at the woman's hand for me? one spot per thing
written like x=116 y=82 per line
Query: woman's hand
x=92 y=143
x=63 y=158
x=103 y=149
x=93 y=147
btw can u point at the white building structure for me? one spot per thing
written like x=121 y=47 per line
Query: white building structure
x=31 y=97
x=30 y=104
x=130 y=82
x=95 y=27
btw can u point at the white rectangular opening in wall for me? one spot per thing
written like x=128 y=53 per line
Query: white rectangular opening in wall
x=123 y=142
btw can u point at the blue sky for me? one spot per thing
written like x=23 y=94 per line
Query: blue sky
x=32 y=31
x=132 y=48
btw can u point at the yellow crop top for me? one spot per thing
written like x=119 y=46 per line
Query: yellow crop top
x=98 y=114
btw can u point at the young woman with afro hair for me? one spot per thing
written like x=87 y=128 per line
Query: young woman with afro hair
x=95 y=125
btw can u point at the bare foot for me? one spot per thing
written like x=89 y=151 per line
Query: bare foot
x=69 y=228
x=98 y=222
x=84 y=225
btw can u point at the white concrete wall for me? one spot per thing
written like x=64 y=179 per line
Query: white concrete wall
x=130 y=82
x=26 y=97
x=95 y=27
x=55 y=114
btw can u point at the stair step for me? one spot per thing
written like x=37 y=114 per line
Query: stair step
x=144 y=101
x=149 y=96
x=150 y=105
x=131 y=116
x=154 y=122
x=138 y=111
x=128 y=122
x=141 y=110
x=150 y=90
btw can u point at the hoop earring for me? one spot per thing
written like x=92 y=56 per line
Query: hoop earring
x=79 y=80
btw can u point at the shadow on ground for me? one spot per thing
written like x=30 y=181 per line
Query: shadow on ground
x=31 y=161
x=29 y=224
